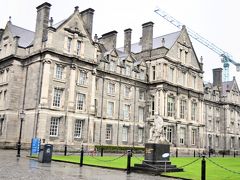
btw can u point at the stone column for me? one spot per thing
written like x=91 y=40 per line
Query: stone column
x=72 y=84
x=45 y=82
x=93 y=92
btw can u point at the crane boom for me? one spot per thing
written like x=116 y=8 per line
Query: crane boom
x=226 y=57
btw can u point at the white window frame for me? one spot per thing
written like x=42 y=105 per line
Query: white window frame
x=54 y=127
x=141 y=95
x=140 y=135
x=127 y=91
x=183 y=108
x=168 y=133
x=194 y=111
x=108 y=135
x=78 y=128
x=182 y=134
x=171 y=106
x=126 y=111
x=128 y=70
x=125 y=133
x=111 y=88
x=59 y=71
x=193 y=136
x=82 y=80
x=81 y=101
x=112 y=66
x=69 y=44
x=57 y=97
x=79 y=47
x=110 y=108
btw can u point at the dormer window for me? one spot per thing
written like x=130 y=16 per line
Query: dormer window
x=128 y=70
x=69 y=43
x=79 y=44
x=112 y=66
x=142 y=75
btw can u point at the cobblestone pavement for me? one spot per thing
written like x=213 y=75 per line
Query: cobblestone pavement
x=24 y=168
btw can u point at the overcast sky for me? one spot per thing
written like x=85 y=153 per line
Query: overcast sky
x=215 y=20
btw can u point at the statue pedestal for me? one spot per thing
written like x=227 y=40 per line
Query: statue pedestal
x=154 y=152
x=154 y=161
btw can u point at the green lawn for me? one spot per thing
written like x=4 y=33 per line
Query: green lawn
x=192 y=171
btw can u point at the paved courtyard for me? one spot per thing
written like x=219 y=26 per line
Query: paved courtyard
x=24 y=168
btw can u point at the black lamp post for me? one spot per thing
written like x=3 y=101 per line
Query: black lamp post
x=21 y=115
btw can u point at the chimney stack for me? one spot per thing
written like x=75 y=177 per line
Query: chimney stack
x=127 y=40
x=217 y=77
x=109 y=40
x=1 y=33
x=87 y=16
x=42 y=21
x=147 y=36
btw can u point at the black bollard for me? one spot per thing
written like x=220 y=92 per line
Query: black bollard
x=194 y=153
x=65 y=150
x=209 y=153
x=203 y=175
x=101 y=151
x=81 y=157
x=223 y=153
x=234 y=154
x=129 y=155
x=176 y=152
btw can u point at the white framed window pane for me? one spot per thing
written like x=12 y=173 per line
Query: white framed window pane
x=182 y=135
x=57 y=97
x=54 y=126
x=111 y=88
x=128 y=70
x=108 y=132
x=78 y=128
x=194 y=111
x=110 y=109
x=140 y=135
x=183 y=107
x=141 y=95
x=82 y=77
x=81 y=100
x=59 y=72
x=69 y=43
x=193 y=137
x=126 y=111
x=112 y=66
x=125 y=134
x=171 y=104
x=127 y=91
x=168 y=133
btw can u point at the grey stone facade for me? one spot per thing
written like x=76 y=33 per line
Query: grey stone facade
x=77 y=90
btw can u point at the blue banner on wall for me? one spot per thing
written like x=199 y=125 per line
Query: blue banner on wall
x=36 y=144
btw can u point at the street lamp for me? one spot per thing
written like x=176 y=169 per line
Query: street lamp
x=21 y=115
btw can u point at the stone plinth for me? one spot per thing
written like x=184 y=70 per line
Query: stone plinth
x=154 y=162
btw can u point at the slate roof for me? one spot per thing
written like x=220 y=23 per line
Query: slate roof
x=170 y=39
x=227 y=85
x=26 y=36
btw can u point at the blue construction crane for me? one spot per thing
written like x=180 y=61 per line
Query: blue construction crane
x=226 y=57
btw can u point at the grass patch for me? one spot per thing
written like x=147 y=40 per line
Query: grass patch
x=192 y=171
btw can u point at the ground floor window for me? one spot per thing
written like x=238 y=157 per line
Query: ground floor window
x=168 y=133
x=54 y=126
x=182 y=136
x=193 y=136
x=78 y=128
x=140 y=135
x=1 y=126
x=108 y=132
x=125 y=134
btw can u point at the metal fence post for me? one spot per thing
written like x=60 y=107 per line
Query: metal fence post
x=129 y=155
x=101 y=151
x=176 y=152
x=65 y=150
x=194 y=153
x=81 y=157
x=203 y=175
x=234 y=153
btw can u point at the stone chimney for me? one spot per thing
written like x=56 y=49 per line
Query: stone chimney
x=87 y=16
x=217 y=77
x=127 y=40
x=109 y=40
x=147 y=36
x=43 y=12
x=1 y=33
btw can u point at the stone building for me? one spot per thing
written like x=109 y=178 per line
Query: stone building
x=222 y=113
x=77 y=90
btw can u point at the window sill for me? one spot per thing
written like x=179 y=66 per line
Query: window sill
x=82 y=85
x=3 y=83
x=113 y=95
x=59 y=80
